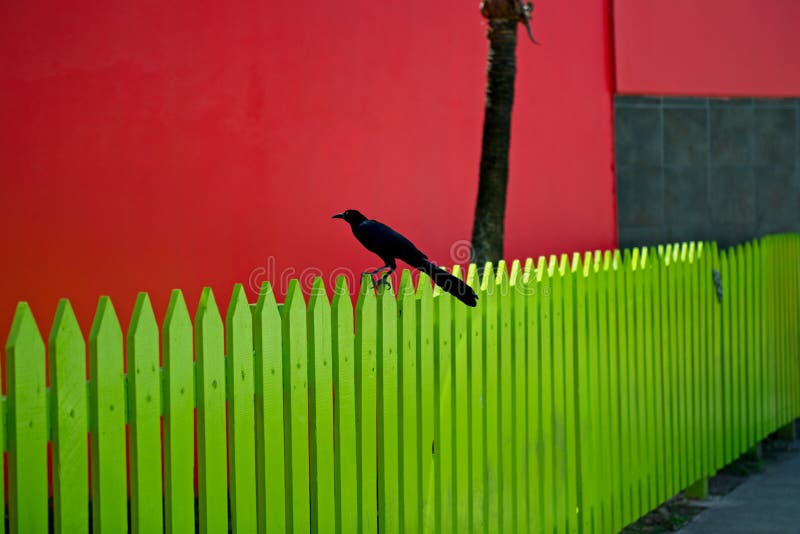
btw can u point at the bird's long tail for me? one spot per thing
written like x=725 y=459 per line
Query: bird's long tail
x=449 y=283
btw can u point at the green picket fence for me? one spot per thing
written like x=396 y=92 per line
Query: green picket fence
x=578 y=395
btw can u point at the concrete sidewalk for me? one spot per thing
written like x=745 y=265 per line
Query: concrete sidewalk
x=768 y=503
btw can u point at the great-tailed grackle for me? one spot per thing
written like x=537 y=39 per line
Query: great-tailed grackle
x=391 y=246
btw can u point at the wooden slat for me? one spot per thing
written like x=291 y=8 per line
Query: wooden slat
x=295 y=385
x=477 y=408
x=566 y=269
x=320 y=384
x=212 y=480
x=69 y=420
x=366 y=370
x=508 y=499
x=344 y=419
x=492 y=400
x=271 y=476
x=460 y=338
x=549 y=497
x=27 y=425
x=519 y=407
x=407 y=362
x=427 y=405
x=533 y=378
x=388 y=424
x=241 y=412
x=144 y=411
x=107 y=422
x=444 y=428
x=587 y=497
x=176 y=344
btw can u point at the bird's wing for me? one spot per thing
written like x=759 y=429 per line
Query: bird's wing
x=386 y=243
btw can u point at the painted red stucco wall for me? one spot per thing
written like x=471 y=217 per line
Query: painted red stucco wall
x=151 y=145
x=708 y=47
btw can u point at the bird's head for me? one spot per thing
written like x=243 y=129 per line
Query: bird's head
x=351 y=216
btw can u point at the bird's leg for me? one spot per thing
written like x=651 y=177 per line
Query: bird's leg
x=375 y=284
x=384 y=279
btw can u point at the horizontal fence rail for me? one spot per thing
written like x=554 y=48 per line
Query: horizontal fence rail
x=579 y=394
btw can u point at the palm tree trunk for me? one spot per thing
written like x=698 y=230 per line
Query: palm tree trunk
x=490 y=208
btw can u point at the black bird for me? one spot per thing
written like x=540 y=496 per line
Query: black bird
x=391 y=246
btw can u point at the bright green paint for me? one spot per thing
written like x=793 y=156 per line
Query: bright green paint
x=179 y=403
x=69 y=421
x=271 y=501
x=210 y=383
x=240 y=391
x=408 y=367
x=388 y=425
x=344 y=419
x=107 y=422
x=366 y=370
x=27 y=430
x=144 y=412
x=295 y=409
x=577 y=395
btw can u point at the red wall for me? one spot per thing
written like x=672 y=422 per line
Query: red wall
x=152 y=145
x=709 y=47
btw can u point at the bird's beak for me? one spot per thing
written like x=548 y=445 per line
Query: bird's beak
x=338 y=216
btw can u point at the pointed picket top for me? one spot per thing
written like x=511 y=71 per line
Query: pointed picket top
x=700 y=248
x=691 y=252
x=616 y=259
x=266 y=303
x=457 y=271
x=515 y=276
x=661 y=250
x=643 y=258
x=318 y=300
x=667 y=257
x=207 y=310
x=423 y=286
x=488 y=276
x=473 y=279
x=607 y=260
x=587 y=263
x=294 y=298
x=597 y=261
x=238 y=307
x=541 y=269
x=143 y=320
x=105 y=320
x=24 y=332
x=552 y=265
x=341 y=301
x=406 y=287
x=528 y=270
x=177 y=317
x=563 y=264
x=684 y=250
x=65 y=326
x=501 y=277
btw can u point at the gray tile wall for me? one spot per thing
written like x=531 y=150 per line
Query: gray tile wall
x=706 y=168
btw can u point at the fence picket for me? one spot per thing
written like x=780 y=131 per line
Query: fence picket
x=366 y=370
x=477 y=407
x=241 y=417
x=211 y=450
x=407 y=363
x=426 y=406
x=176 y=343
x=144 y=410
x=107 y=422
x=344 y=405
x=295 y=386
x=69 y=420
x=27 y=426
x=579 y=393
